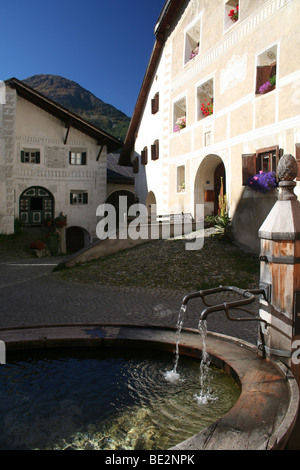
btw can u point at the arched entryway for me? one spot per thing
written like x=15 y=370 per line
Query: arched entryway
x=114 y=200
x=210 y=183
x=77 y=238
x=151 y=204
x=36 y=205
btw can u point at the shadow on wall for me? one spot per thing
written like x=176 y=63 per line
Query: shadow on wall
x=250 y=213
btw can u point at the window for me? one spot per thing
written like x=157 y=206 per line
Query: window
x=179 y=115
x=181 y=179
x=155 y=104
x=144 y=156
x=205 y=99
x=266 y=71
x=192 y=40
x=77 y=158
x=78 y=197
x=155 y=150
x=231 y=13
x=265 y=160
x=30 y=156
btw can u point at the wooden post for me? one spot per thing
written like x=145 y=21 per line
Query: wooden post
x=280 y=271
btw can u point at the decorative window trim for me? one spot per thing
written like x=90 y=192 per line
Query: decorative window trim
x=179 y=113
x=181 y=185
x=31 y=156
x=77 y=157
x=266 y=67
x=78 y=198
x=230 y=5
x=205 y=92
x=192 y=39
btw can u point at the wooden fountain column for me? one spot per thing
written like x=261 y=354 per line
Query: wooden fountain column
x=280 y=272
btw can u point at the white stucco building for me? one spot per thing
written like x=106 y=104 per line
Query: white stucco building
x=204 y=56
x=51 y=162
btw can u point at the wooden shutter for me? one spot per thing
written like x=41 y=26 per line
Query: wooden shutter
x=135 y=164
x=83 y=158
x=22 y=156
x=144 y=156
x=85 y=198
x=71 y=198
x=263 y=73
x=37 y=157
x=155 y=104
x=155 y=150
x=297 y=156
x=248 y=166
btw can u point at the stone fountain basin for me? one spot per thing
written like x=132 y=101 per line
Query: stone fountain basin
x=264 y=415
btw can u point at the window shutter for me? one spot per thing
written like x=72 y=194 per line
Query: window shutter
x=155 y=150
x=71 y=198
x=85 y=198
x=70 y=157
x=135 y=165
x=263 y=73
x=297 y=156
x=22 y=156
x=144 y=156
x=248 y=166
x=83 y=158
x=37 y=157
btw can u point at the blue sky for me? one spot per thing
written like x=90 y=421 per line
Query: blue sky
x=103 y=45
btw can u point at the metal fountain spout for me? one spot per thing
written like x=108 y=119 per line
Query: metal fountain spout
x=246 y=297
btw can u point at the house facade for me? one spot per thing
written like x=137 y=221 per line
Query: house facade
x=51 y=162
x=219 y=104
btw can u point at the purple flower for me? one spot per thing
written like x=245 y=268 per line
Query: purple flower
x=265 y=87
x=263 y=182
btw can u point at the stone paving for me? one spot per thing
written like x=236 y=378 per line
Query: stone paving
x=30 y=295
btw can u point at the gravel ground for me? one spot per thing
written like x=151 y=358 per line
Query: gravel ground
x=167 y=264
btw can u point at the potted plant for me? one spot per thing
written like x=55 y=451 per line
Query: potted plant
x=180 y=124
x=234 y=14
x=207 y=108
x=263 y=182
x=269 y=85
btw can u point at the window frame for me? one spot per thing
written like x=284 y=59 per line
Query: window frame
x=176 y=113
x=264 y=71
x=82 y=197
x=33 y=157
x=188 y=47
x=251 y=163
x=80 y=155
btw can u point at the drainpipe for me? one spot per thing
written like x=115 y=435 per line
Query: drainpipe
x=280 y=272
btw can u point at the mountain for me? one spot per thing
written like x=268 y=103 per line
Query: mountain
x=80 y=101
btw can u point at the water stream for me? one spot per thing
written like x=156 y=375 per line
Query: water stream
x=173 y=374
x=206 y=394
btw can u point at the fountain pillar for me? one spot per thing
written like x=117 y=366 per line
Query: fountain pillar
x=280 y=272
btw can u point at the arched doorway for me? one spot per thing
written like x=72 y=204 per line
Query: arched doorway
x=151 y=204
x=36 y=205
x=210 y=182
x=114 y=200
x=77 y=238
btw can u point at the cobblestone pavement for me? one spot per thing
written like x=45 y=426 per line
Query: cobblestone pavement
x=30 y=295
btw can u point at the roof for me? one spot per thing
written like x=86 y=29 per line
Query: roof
x=69 y=118
x=162 y=26
x=117 y=173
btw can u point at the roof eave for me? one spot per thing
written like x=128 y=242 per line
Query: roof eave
x=64 y=114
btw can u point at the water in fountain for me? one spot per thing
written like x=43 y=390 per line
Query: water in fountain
x=205 y=394
x=173 y=375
